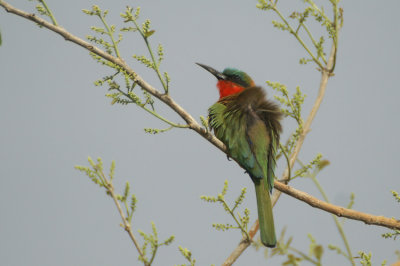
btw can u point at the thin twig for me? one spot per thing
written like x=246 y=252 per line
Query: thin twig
x=143 y=106
x=110 y=33
x=126 y=225
x=292 y=31
x=153 y=59
x=305 y=256
x=244 y=243
x=307 y=125
x=288 y=164
x=240 y=226
x=50 y=14
x=313 y=40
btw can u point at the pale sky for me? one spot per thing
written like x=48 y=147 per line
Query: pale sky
x=53 y=118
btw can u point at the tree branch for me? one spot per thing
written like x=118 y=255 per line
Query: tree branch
x=244 y=243
x=316 y=203
x=337 y=210
x=192 y=124
x=126 y=225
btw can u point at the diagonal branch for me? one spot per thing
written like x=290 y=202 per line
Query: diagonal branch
x=192 y=124
x=126 y=225
x=316 y=203
x=326 y=73
x=337 y=210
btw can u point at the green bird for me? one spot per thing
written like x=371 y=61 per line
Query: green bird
x=249 y=126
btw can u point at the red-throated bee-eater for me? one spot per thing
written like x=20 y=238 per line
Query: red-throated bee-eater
x=249 y=126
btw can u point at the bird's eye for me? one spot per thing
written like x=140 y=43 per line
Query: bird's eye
x=237 y=79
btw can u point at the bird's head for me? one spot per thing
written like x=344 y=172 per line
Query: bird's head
x=230 y=81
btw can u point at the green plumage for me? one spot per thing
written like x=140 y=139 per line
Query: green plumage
x=249 y=126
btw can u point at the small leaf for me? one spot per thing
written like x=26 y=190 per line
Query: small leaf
x=149 y=33
x=133 y=203
x=169 y=240
x=125 y=29
x=323 y=163
x=318 y=251
x=396 y=195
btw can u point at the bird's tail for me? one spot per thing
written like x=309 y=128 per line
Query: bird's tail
x=265 y=216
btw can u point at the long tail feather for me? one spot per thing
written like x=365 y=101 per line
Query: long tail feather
x=265 y=216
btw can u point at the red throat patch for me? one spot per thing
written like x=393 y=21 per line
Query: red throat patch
x=227 y=88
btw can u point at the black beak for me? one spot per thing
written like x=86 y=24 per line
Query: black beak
x=216 y=73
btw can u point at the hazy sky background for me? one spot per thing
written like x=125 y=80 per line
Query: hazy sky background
x=53 y=117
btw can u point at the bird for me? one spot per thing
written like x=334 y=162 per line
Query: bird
x=249 y=126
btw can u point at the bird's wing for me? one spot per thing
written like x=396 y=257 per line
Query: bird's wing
x=260 y=143
x=273 y=147
x=230 y=128
x=246 y=137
